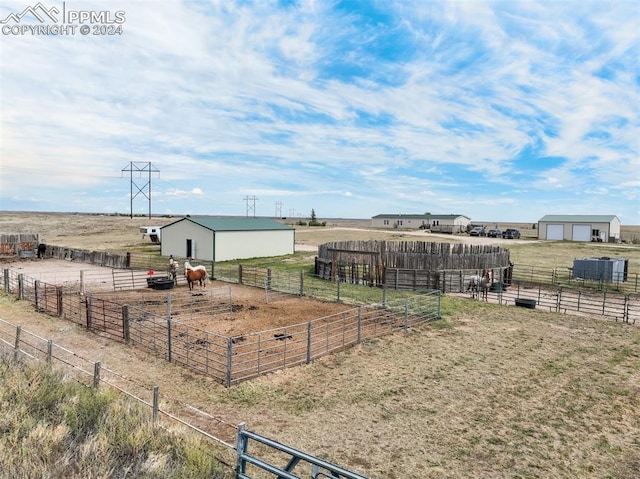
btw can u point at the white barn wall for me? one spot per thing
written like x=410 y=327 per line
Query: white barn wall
x=174 y=240
x=253 y=244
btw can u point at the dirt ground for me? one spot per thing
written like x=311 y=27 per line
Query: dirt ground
x=492 y=391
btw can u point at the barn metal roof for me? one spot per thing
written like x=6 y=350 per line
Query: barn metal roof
x=234 y=224
x=579 y=218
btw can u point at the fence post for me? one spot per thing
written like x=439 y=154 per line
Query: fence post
x=82 y=281
x=126 y=331
x=229 y=363
x=60 y=308
x=5 y=275
x=156 y=402
x=604 y=301
x=308 y=342
x=406 y=313
x=88 y=307
x=49 y=350
x=36 y=287
x=239 y=274
x=96 y=375
x=20 y=286
x=301 y=283
x=241 y=449
x=559 y=299
x=338 y=291
x=625 y=313
x=169 y=339
x=359 y=325
x=16 y=347
x=579 y=297
x=384 y=294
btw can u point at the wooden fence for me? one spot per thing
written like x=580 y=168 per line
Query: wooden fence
x=374 y=262
x=15 y=244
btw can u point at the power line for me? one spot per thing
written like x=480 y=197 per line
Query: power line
x=140 y=167
x=278 y=209
x=251 y=204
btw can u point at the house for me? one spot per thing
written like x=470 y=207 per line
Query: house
x=437 y=223
x=221 y=239
x=605 y=228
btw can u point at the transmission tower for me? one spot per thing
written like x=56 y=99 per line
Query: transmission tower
x=251 y=204
x=140 y=168
x=278 y=209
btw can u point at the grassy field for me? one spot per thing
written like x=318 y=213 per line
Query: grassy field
x=57 y=428
x=487 y=391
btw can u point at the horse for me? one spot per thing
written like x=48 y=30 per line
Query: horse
x=193 y=274
x=480 y=284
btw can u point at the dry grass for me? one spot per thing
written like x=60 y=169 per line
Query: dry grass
x=489 y=391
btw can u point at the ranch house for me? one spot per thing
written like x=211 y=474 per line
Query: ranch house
x=437 y=223
x=222 y=239
x=601 y=228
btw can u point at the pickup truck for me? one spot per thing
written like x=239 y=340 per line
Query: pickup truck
x=511 y=233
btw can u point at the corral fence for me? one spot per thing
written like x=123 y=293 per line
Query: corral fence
x=23 y=245
x=566 y=276
x=264 y=454
x=373 y=262
x=160 y=323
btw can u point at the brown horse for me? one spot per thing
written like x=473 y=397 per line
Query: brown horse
x=199 y=274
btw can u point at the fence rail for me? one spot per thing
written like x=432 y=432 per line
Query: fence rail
x=23 y=344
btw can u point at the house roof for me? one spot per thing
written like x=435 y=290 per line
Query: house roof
x=234 y=224
x=421 y=217
x=579 y=218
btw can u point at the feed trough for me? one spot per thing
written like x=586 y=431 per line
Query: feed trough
x=160 y=282
x=526 y=303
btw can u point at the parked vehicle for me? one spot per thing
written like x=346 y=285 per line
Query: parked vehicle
x=494 y=233
x=478 y=231
x=511 y=233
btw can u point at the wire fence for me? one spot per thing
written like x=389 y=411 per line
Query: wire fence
x=161 y=323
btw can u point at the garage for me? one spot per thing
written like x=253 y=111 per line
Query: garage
x=601 y=228
x=581 y=233
x=555 y=232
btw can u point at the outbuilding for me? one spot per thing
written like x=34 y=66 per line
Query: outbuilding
x=451 y=223
x=221 y=239
x=601 y=228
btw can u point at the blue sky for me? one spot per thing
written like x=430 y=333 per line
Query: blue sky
x=498 y=110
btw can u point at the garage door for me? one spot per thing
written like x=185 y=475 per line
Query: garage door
x=581 y=233
x=555 y=232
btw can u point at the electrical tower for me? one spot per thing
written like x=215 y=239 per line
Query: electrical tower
x=140 y=168
x=251 y=204
x=278 y=209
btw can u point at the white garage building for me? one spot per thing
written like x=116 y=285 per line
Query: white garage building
x=222 y=239
x=605 y=228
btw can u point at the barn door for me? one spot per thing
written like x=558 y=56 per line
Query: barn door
x=191 y=248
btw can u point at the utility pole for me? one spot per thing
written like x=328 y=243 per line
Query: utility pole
x=251 y=204
x=140 y=168
x=278 y=209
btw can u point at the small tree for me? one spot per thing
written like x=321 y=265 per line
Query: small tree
x=314 y=221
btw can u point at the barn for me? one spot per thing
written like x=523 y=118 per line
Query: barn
x=222 y=239
x=604 y=228
x=450 y=223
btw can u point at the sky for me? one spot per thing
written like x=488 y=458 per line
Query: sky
x=497 y=110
